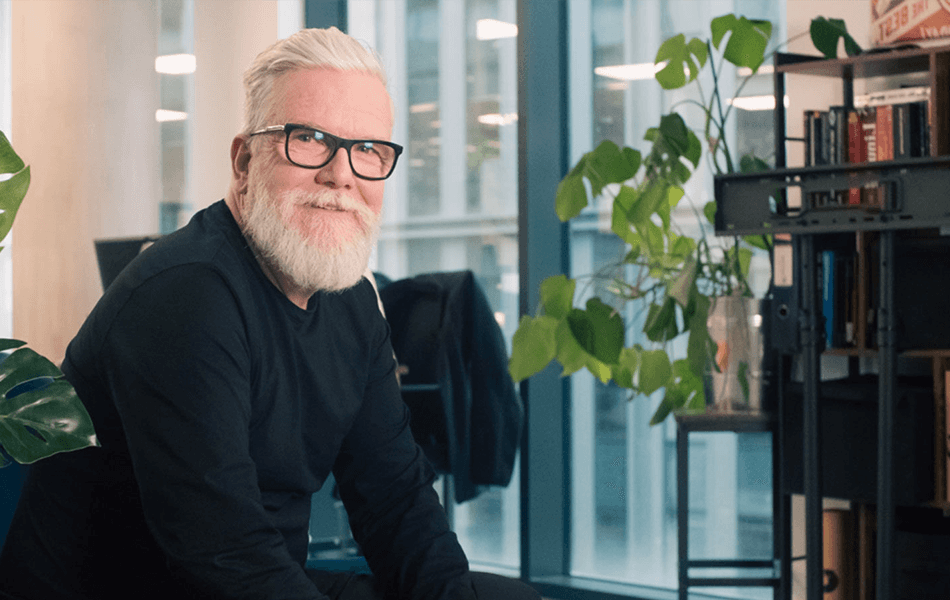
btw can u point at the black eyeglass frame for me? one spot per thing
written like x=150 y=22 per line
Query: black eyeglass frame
x=337 y=141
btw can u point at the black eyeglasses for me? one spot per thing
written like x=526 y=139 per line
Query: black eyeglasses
x=311 y=149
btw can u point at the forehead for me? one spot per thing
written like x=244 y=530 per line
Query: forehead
x=350 y=104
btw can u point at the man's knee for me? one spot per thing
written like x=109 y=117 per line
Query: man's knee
x=489 y=586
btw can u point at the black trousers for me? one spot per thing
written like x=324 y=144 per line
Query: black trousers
x=355 y=586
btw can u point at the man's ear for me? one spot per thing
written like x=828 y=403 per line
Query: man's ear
x=240 y=162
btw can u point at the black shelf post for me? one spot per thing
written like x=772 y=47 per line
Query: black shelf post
x=887 y=397
x=812 y=346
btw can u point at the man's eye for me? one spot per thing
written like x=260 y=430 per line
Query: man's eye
x=308 y=137
x=367 y=148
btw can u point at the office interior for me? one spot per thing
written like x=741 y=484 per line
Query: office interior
x=125 y=110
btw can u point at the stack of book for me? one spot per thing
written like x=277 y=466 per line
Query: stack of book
x=887 y=125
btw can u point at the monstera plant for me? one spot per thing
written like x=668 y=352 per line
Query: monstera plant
x=40 y=413
x=672 y=277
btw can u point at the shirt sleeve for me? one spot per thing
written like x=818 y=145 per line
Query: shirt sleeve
x=385 y=482
x=179 y=369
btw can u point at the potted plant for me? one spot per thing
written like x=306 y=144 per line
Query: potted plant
x=674 y=279
x=40 y=413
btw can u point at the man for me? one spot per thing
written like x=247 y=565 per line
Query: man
x=235 y=364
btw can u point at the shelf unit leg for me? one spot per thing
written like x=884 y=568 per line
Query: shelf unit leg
x=885 y=428
x=811 y=438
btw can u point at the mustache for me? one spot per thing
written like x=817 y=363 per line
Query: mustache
x=332 y=200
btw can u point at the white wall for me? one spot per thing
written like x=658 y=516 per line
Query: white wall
x=228 y=35
x=84 y=95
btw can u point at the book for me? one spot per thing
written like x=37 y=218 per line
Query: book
x=893 y=96
x=901 y=132
x=946 y=436
x=828 y=296
x=857 y=150
x=836 y=125
x=838 y=554
x=884 y=132
x=871 y=194
x=866 y=552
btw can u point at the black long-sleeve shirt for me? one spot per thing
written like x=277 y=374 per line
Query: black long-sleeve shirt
x=221 y=407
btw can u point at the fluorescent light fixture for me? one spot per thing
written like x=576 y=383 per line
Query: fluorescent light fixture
x=423 y=107
x=175 y=64
x=630 y=72
x=497 y=119
x=764 y=102
x=763 y=70
x=164 y=116
x=493 y=29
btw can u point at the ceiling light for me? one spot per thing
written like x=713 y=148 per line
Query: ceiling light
x=630 y=72
x=175 y=64
x=423 y=107
x=764 y=102
x=164 y=116
x=497 y=119
x=493 y=29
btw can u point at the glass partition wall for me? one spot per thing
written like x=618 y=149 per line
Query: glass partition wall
x=623 y=509
x=452 y=204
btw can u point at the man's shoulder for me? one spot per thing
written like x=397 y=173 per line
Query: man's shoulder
x=209 y=242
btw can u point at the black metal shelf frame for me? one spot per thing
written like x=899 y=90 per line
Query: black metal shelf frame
x=777 y=579
x=776 y=202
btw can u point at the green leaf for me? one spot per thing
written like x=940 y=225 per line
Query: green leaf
x=825 y=34
x=533 y=346
x=620 y=224
x=762 y=242
x=695 y=149
x=557 y=295
x=10 y=344
x=605 y=164
x=12 y=192
x=750 y=163
x=599 y=330
x=698 y=344
x=45 y=421
x=22 y=365
x=661 y=324
x=709 y=211
x=675 y=134
x=742 y=375
x=10 y=161
x=655 y=370
x=571 y=197
x=683 y=61
x=681 y=285
x=665 y=409
x=627 y=365
x=569 y=353
x=747 y=44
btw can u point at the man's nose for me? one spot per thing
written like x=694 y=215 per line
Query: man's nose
x=337 y=173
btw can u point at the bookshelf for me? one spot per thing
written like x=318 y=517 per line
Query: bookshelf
x=889 y=313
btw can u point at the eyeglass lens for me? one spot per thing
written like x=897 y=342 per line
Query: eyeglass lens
x=310 y=148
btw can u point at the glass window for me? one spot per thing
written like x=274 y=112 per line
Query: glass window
x=623 y=514
x=175 y=67
x=452 y=203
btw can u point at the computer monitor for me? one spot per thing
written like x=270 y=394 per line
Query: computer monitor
x=115 y=254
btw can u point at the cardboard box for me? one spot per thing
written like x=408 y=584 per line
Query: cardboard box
x=901 y=21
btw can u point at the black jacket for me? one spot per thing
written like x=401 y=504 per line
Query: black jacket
x=466 y=412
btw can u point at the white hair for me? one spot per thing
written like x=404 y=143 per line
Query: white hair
x=306 y=49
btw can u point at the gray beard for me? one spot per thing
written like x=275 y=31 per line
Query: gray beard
x=332 y=263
